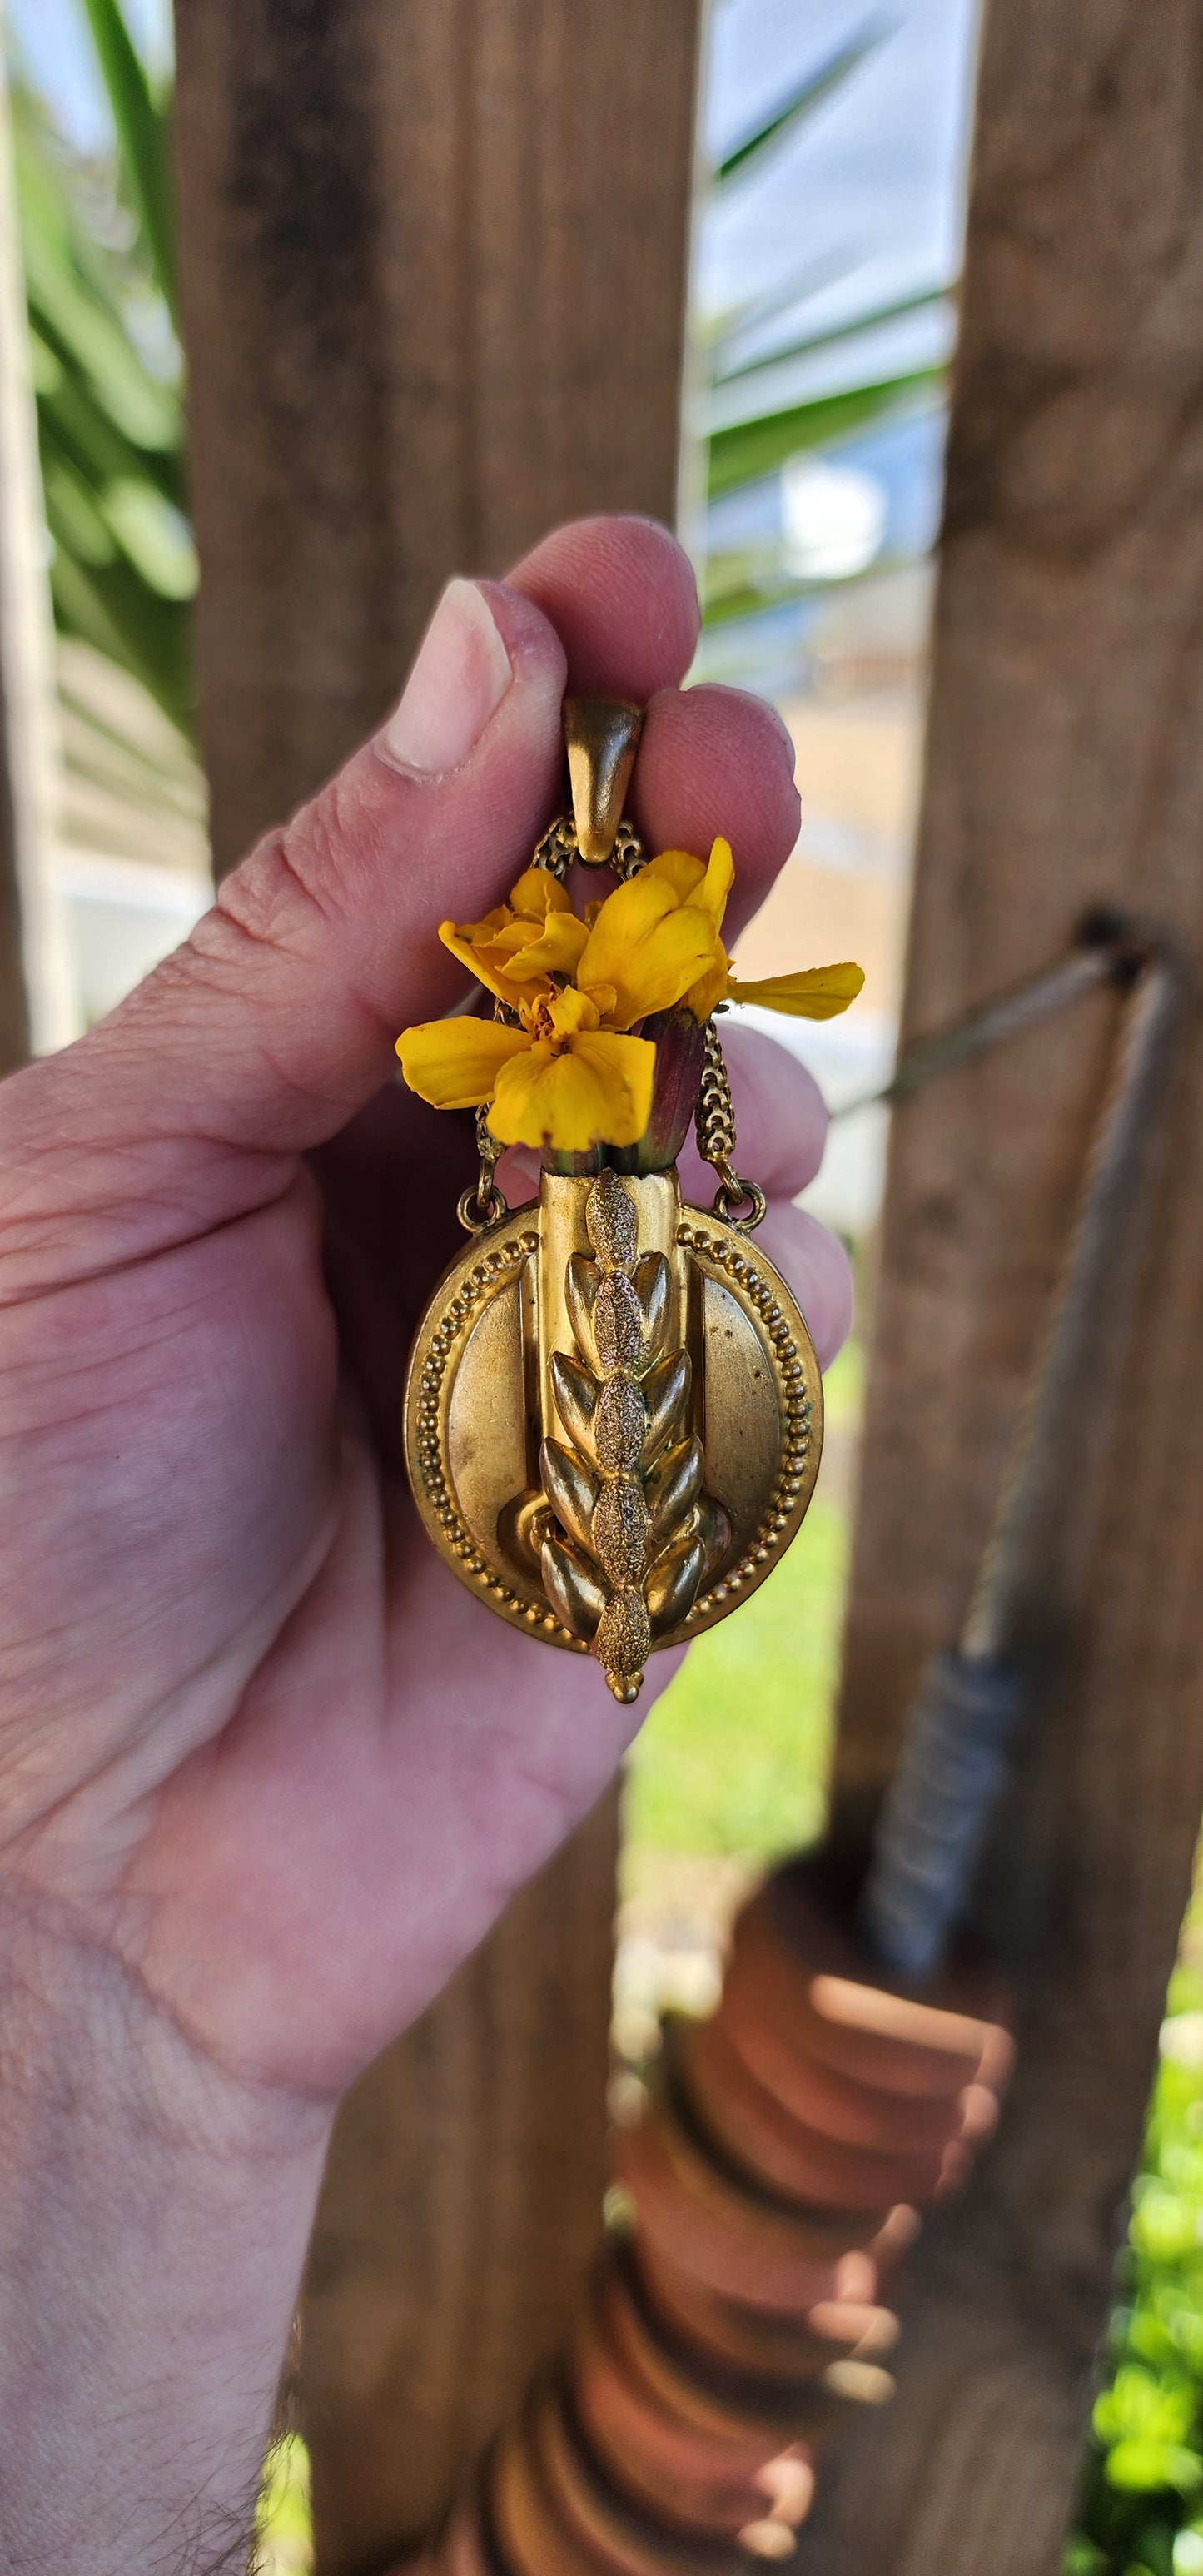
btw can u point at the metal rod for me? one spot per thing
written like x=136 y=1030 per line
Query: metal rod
x=1111 y=948
x=963 y=1721
x=1100 y=1221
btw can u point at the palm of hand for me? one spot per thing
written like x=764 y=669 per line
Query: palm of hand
x=254 y=1786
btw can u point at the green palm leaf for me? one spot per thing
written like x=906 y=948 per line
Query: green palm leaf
x=928 y=300
x=751 y=448
x=111 y=424
x=800 y=104
x=143 y=141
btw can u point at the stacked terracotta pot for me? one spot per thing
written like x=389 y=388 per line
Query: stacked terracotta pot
x=735 y=2310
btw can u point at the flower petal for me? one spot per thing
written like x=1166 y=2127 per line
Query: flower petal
x=523 y=953
x=571 y=1012
x=679 y=869
x=476 y=931
x=814 y=993
x=712 y=895
x=647 y=948
x=711 y=988
x=537 y=894
x=596 y=1090
x=704 y=882
x=557 y=952
x=480 y=964
x=454 y=1064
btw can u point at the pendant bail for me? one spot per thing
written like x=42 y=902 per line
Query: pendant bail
x=601 y=736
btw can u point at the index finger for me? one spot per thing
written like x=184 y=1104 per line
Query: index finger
x=621 y=595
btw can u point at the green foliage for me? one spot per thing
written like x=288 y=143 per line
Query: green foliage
x=98 y=248
x=1142 y=2506
x=283 y=2523
x=143 y=128
x=733 y=1757
x=750 y=448
x=798 y=105
x=928 y=300
x=746 y=451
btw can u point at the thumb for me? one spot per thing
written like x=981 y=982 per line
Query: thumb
x=275 y=1022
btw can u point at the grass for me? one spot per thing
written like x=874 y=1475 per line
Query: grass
x=733 y=1756
x=1141 y=2509
x=283 y=2528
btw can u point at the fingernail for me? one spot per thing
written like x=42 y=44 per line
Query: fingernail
x=457 y=682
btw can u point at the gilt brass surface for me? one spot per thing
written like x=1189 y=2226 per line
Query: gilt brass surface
x=601 y=736
x=613 y=1418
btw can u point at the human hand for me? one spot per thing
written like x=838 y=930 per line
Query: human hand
x=254 y=1740
x=266 y=1771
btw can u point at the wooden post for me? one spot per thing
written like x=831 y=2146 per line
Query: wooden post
x=1064 y=769
x=434 y=287
x=434 y=280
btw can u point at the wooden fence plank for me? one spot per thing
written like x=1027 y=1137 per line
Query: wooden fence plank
x=434 y=265
x=1063 y=769
x=434 y=271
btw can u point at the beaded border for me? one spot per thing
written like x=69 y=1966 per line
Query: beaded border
x=474 y=1287
x=792 y=1473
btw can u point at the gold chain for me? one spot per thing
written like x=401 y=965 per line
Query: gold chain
x=483 y=1203
x=557 y=850
x=714 y=1122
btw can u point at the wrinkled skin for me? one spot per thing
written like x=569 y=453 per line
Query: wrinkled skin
x=255 y=1742
x=266 y=1770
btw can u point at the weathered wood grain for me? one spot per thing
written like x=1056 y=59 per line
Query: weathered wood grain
x=461 y=2202
x=434 y=266
x=434 y=283
x=1064 y=768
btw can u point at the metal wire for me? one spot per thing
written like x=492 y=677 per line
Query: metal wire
x=1111 y=948
x=963 y=1720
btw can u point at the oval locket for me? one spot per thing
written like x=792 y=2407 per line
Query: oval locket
x=613 y=1418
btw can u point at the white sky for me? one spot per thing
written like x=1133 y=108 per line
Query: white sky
x=871 y=187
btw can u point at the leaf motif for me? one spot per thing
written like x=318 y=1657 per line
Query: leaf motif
x=666 y=1394
x=575 y=1393
x=714 y=1530
x=571 y=1491
x=652 y=1284
x=672 y=1585
x=581 y=1282
x=522 y=1525
x=674 y=1485
x=576 y=1592
x=626 y=1479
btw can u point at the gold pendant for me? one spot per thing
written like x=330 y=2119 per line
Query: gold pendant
x=613 y=1415
x=613 y=1418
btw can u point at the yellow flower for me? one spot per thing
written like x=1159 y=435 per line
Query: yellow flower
x=524 y=942
x=560 y=1081
x=813 y=993
x=569 y=1075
